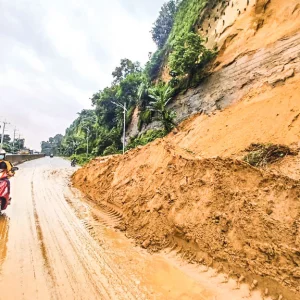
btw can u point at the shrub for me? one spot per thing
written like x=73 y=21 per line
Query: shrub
x=187 y=53
x=145 y=117
x=186 y=17
x=82 y=159
x=110 y=150
x=145 y=138
x=261 y=155
x=153 y=66
x=162 y=95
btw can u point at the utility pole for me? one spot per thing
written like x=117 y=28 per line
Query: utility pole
x=3 y=131
x=15 y=130
x=19 y=141
x=124 y=125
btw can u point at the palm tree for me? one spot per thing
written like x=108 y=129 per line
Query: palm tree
x=161 y=95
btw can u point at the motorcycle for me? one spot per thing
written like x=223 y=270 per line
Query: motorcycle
x=4 y=191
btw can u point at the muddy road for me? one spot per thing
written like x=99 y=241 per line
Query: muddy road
x=53 y=245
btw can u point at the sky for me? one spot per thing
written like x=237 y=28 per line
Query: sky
x=55 y=54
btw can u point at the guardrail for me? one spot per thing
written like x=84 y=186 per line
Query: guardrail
x=20 y=158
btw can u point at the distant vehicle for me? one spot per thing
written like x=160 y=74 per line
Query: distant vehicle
x=24 y=152
x=51 y=155
x=73 y=162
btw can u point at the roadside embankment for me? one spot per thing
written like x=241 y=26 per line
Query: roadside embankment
x=219 y=211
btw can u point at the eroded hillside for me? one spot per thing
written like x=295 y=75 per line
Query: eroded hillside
x=191 y=191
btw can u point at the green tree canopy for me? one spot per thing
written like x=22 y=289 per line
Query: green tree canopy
x=163 y=25
x=187 y=53
x=161 y=95
x=126 y=67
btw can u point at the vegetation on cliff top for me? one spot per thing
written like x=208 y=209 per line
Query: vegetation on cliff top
x=99 y=131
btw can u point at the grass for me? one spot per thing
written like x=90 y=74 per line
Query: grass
x=261 y=155
x=145 y=138
x=186 y=18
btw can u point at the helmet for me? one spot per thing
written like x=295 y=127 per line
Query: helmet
x=2 y=154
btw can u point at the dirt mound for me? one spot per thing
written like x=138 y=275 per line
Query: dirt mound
x=223 y=212
x=289 y=166
x=220 y=211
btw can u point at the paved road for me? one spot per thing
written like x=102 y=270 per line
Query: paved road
x=47 y=248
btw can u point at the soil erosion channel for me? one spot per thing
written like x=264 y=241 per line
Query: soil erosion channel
x=54 y=246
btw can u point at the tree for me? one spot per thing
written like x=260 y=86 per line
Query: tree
x=82 y=131
x=126 y=67
x=163 y=25
x=7 y=145
x=143 y=94
x=128 y=89
x=161 y=95
x=100 y=129
x=6 y=138
x=46 y=147
x=153 y=66
x=104 y=108
x=186 y=54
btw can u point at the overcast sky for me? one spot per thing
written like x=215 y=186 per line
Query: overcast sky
x=54 y=54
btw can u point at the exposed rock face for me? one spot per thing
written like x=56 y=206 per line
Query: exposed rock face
x=271 y=65
x=258 y=46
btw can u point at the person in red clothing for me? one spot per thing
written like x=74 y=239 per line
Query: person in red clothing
x=6 y=169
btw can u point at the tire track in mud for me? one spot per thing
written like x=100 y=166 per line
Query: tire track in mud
x=106 y=276
x=4 y=229
x=52 y=254
x=41 y=240
x=70 y=271
x=106 y=216
x=105 y=260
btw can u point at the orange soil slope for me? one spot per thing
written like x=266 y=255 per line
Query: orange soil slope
x=265 y=115
x=221 y=211
x=262 y=25
x=188 y=192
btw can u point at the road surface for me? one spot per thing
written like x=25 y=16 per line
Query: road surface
x=55 y=246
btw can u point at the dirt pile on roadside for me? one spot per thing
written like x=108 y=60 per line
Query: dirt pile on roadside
x=188 y=192
x=221 y=211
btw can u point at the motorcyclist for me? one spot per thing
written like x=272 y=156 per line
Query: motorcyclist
x=6 y=168
x=73 y=162
x=5 y=164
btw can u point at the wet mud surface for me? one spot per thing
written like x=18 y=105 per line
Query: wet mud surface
x=56 y=245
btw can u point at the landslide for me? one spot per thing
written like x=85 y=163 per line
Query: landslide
x=264 y=115
x=191 y=192
x=222 y=211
